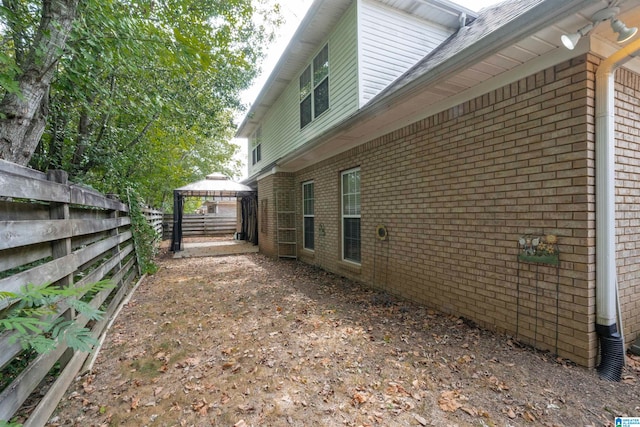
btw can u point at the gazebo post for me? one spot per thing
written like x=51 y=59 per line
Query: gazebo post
x=178 y=206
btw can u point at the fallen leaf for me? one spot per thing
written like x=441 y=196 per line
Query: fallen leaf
x=465 y=359
x=246 y=408
x=449 y=401
x=496 y=384
x=135 y=402
x=469 y=410
x=192 y=361
x=201 y=407
x=420 y=420
x=359 y=398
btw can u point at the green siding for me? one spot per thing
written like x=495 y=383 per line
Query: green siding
x=281 y=131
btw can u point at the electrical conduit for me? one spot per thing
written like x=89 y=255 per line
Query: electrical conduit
x=612 y=351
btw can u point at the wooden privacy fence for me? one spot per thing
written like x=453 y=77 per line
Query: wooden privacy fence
x=154 y=218
x=53 y=232
x=201 y=225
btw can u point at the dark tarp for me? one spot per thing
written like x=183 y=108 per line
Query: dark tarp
x=249 y=205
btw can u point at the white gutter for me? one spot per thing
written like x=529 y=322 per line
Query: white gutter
x=611 y=340
x=605 y=184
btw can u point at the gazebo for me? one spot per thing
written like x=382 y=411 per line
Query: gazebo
x=217 y=185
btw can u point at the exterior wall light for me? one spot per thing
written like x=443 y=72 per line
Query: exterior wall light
x=624 y=33
x=608 y=14
x=571 y=40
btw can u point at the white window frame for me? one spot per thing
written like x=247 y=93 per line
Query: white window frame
x=256 y=146
x=355 y=213
x=313 y=87
x=306 y=215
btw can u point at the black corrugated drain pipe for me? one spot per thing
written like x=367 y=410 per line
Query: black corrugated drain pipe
x=611 y=353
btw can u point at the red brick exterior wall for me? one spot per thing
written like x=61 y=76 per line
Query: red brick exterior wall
x=456 y=191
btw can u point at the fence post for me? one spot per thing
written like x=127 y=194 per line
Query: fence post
x=61 y=248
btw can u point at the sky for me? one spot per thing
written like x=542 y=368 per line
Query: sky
x=293 y=11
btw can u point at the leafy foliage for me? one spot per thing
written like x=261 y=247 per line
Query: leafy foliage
x=144 y=235
x=145 y=92
x=34 y=316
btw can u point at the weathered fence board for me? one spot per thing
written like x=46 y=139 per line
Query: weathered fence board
x=89 y=253
x=46 y=273
x=53 y=232
x=154 y=218
x=201 y=225
x=19 y=390
x=21 y=233
x=20 y=256
x=12 y=168
x=86 y=197
x=27 y=188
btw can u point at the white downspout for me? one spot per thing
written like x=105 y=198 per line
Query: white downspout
x=606 y=277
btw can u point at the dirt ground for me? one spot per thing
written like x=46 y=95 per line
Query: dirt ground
x=248 y=341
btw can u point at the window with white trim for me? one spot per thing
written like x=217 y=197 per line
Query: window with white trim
x=256 y=146
x=351 y=215
x=308 y=214
x=314 y=88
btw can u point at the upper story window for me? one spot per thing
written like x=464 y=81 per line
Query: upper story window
x=314 y=88
x=256 y=143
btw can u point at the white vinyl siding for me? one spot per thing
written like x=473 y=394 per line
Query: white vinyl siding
x=281 y=131
x=391 y=42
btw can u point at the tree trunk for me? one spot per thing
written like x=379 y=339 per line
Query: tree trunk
x=24 y=114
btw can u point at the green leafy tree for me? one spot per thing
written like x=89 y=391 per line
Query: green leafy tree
x=142 y=93
x=36 y=51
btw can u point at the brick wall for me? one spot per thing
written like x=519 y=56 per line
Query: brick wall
x=628 y=200
x=458 y=189
x=267 y=215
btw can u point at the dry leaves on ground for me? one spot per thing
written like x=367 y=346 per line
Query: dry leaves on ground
x=248 y=341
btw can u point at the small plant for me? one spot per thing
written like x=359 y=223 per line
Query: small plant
x=34 y=316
